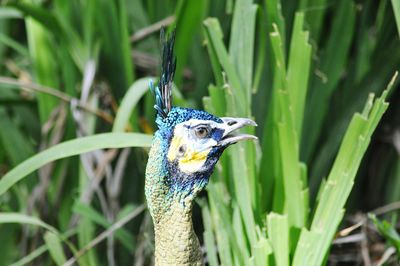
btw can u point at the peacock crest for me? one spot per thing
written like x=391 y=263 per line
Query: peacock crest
x=163 y=91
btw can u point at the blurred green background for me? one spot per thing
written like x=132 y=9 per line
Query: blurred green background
x=66 y=68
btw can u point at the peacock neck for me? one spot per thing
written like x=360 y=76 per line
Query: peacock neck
x=175 y=240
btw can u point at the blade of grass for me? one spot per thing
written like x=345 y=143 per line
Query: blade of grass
x=240 y=173
x=31 y=256
x=241 y=45
x=274 y=16
x=315 y=12
x=19 y=218
x=396 y=11
x=189 y=16
x=298 y=71
x=45 y=66
x=15 y=143
x=212 y=54
x=10 y=42
x=333 y=62
x=86 y=232
x=285 y=158
x=303 y=256
x=290 y=164
x=9 y=13
x=278 y=234
x=40 y=250
x=90 y=213
x=71 y=148
x=263 y=253
x=213 y=33
x=209 y=239
x=115 y=56
x=219 y=214
x=55 y=248
x=240 y=232
x=131 y=98
x=329 y=210
x=388 y=230
x=270 y=171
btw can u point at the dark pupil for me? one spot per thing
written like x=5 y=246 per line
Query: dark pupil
x=201 y=132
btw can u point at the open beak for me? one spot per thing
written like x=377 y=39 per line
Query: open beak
x=231 y=124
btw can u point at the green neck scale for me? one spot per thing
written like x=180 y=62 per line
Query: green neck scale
x=175 y=240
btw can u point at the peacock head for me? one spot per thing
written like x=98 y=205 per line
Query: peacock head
x=193 y=142
x=188 y=142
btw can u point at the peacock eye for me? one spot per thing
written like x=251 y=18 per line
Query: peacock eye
x=201 y=132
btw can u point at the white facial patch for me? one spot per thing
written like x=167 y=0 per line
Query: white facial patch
x=190 y=150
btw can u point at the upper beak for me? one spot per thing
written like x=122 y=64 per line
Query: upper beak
x=231 y=124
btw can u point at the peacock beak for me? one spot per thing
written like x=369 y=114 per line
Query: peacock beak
x=231 y=124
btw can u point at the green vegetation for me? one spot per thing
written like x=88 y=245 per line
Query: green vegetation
x=74 y=81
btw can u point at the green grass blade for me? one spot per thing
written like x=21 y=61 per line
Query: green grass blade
x=15 y=144
x=260 y=53
x=241 y=45
x=396 y=11
x=85 y=233
x=240 y=173
x=291 y=171
x=189 y=15
x=304 y=255
x=31 y=256
x=298 y=70
x=334 y=59
x=131 y=98
x=126 y=60
x=10 y=42
x=240 y=232
x=209 y=239
x=6 y=218
x=218 y=101
x=9 y=13
x=213 y=34
x=219 y=215
x=90 y=213
x=388 y=230
x=40 y=250
x=278 y=233
x=45 y=65
x=274 y=16
x=329 y=210
x=212 y=53
x=115 y=56
x=71 y=148
x=315 y=12
x=53 y=243
x=263 y=253
x=284 y=143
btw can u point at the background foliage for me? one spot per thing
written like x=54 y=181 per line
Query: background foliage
x=77 y=72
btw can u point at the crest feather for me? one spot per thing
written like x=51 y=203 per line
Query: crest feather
x=163 y=91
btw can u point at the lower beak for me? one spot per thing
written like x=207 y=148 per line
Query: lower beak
x=231 y=124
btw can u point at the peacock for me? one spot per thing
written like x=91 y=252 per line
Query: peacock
x=184 y=151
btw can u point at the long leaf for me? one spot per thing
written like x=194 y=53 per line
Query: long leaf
x=55 y=248
x=71 y=148
x=329 y=211
x=396 y=11
x=131 y=98
x=6 y=218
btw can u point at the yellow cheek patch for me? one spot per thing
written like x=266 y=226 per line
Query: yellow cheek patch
x=174 y=148
x=191 y=161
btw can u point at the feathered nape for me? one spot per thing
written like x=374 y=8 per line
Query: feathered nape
x=163 y=92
